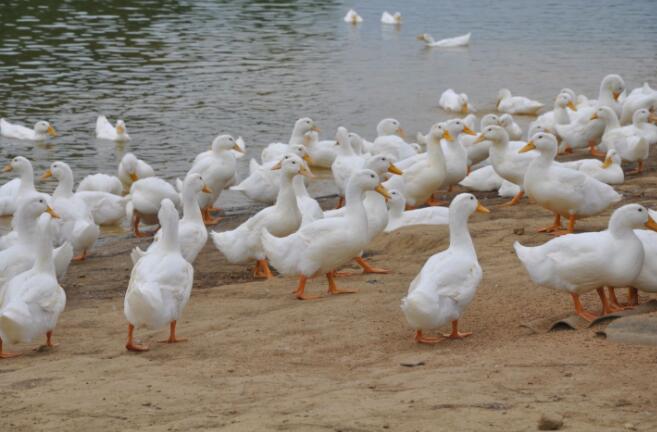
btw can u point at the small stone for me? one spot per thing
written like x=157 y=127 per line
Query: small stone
x=629 y=426
x=550 y=421
x=518 y=231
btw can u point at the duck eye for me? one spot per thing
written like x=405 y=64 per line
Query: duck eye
x=294 y=162
x=640 y=210
x=471 y=198
x=371 y=176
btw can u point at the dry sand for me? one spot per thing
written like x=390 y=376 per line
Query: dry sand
x=257 y=359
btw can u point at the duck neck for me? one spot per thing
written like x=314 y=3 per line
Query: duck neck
x=169 y=240
x=611 y=122
x=191 y=209
x=286 y=198
x=618 y=229
x=25 y=226
x=300 y=187
x=44 y=262
x=396 y=208
x=354 y=208
x=297 y=137
x=27 y=178
x=459 y=235
x=561 y=115
x=435 y=151
x=64 y=187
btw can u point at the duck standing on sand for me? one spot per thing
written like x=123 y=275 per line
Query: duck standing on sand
x=562 y=190
x=448 y=280
x=160 y=283
x=325 y=244
x=579 y=263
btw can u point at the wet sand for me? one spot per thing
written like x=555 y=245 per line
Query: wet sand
x=257 y=359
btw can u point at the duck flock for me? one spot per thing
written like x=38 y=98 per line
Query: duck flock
x=381 y=185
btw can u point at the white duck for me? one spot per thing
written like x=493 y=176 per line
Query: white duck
x=483 y=179
x=31 y=302
x=610 y=171
x=132 y=169
x=455 y=102
x=505 y=159
x=146 y=195
x=448 y=280
x=352 y=17
x=643 y=120
x=375 y=206
x=105 y=130
x=40 y=131
x=421 y=179
x=388 y=18
x=398 y=217
x=106 y=208
x=559 y=114
x=21 y=247
x=218 y=171
x=507 y=103
x=77 y=224
x=637 y=101
x=510 y=126
x=262 y=183
x=453 y=42
x=101 y=183
x=322 y=153
x=390 y=140
x=322 y=246
x=611 y=89
x=18 y=189
x=191 y=230
x=477 y=152
x=563 y=191
x=276 y=151
x=243 y=244
x=456 y=156
x=628 y=142
x=346 y=162
x=579 y=263
x=160 y=283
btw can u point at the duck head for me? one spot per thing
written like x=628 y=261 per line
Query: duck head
x=389 y=126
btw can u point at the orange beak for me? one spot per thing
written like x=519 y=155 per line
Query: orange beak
x=481 y=209
x=46 y=175
x=206 y=189
x=467 y=130
x=528 y=147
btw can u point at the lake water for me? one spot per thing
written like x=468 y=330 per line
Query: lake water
x=182 y=72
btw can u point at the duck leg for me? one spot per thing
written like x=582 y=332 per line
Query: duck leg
x=172 y=334
x=455 y=334
x=516 y=199
x=301 y=288
x=262 y=270
x=613 y=300
x=367 y=268
x=555 y=226
x=421 y=339
x=333 y=289
x=131 y=346
x=6 y=355
x=431 y=202
x=569 y=230
x=579 y=309
x=594 y=151
x=208 y=219
x=607 y=307
x=633 y=297
x=638 y=170
x=49 y=342
x=81 y=257
x=340 y=203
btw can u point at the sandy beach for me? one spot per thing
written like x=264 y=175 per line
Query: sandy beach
x=257 y=359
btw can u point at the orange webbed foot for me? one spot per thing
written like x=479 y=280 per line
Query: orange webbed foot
x=136 y=347
x=427 y=340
